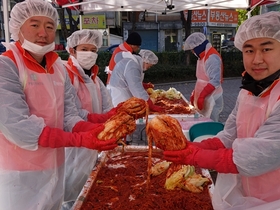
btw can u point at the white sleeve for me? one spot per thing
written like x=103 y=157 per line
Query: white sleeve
x=73 y=111
x=16 y=123
x=133 y=78
x=229 y=133
x=107 y=104
x=213 y=69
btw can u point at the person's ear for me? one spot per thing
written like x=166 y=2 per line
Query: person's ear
x=72 y=52
x=144 y=66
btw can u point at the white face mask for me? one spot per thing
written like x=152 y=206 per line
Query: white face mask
x=86 y=59
x=37 y=49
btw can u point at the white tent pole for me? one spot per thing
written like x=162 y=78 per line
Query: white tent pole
x=81 y=21
x=6 y=20
x=251 y=9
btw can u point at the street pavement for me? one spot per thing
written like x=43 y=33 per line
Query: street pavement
x=231 y=87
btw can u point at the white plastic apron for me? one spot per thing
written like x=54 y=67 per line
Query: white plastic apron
x=119 y=95
x=89 y=92
x=202 y=81
x=80 y=161
x=33 y=179
x=236 y=192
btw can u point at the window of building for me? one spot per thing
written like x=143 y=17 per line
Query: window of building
x=171 y=40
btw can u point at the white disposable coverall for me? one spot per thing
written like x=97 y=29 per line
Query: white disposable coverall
x=252 y=131
x=126 y=79
x=31 y=176
x=95 y=98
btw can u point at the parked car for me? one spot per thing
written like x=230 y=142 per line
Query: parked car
x=110 y=49
x=2 y=47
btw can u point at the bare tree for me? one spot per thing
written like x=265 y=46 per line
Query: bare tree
x=64 y=31
x=72 y=22
x=187 y=25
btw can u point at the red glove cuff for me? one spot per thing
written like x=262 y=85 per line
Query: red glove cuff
x=192 y=98
x=208 y=89
x=220 y=160
x=153 y=107
x=148 y=85
x=101 y=118
x=84 y=126
x=210 y=143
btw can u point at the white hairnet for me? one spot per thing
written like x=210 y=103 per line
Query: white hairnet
x=194 y=40
x=148 y=56
x=27 y=9
x=266 y=25
x=85 y=36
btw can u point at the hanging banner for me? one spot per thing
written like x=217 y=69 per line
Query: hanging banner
x=88 y=21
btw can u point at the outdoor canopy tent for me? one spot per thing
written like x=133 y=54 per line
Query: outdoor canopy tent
x=160 y=6
x=155 y=6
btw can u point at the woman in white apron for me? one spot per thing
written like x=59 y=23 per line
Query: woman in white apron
x=246 y=153
x=95 y=98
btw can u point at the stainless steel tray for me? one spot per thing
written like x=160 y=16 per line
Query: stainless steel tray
x=103 y=158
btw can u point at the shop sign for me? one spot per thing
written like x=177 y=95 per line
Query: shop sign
x=88 y=21
x=213 y=17
x=199 y=17
x=216 y=41
x=224 y=18
x=199 y=24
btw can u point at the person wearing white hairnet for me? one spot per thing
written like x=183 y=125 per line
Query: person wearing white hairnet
x=95 y=98
x=39 y=112
x=207 y=95
x=246 y=153
x=127 y=77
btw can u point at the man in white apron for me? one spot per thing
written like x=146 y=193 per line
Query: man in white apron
x=95 y=98
x=246 y=153
x=38 y=106
x=207 y=95
x=127 y=77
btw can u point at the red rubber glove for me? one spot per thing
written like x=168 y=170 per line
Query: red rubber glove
x=55 y=138
x=192 y=98
x=84 y=126
x=208 y=89
x=153 y=107
x=148 y=85
x=210 y=143
x=220 y=160
x=101 y=118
